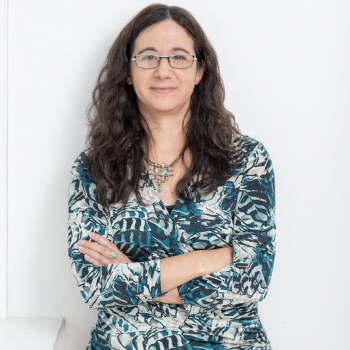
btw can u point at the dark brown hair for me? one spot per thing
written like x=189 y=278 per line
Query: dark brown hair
x=116 y=132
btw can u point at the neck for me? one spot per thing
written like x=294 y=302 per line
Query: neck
x=167 y=136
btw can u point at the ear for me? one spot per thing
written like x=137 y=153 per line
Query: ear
x=128 y=80
x=200 y=72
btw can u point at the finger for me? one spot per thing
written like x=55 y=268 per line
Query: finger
x=104 y=252
x=102 y=240
x=97 y=248
x=95 y=255
x=92 y=260
x=94 y=246
x=102 y=245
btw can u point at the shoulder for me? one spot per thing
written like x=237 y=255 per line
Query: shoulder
x=79 y=168
x=253 y=152
x=247 y=144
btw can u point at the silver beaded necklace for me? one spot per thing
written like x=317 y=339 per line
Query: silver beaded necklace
x=161 y=172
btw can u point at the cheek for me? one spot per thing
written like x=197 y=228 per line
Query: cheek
x=139 y=85
x=188 y=83
x=190 y=78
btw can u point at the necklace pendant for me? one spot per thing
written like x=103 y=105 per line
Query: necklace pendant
x=161 y=170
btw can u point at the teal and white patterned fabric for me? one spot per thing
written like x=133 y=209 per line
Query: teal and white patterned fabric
x=220 y=310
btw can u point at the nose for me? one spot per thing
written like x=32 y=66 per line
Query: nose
x=164 y=69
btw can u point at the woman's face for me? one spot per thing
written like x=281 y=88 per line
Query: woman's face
x=164 y=38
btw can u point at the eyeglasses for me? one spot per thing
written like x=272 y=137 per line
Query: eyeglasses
x=146 y=61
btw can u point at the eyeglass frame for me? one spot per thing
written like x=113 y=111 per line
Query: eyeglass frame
x=194 y=58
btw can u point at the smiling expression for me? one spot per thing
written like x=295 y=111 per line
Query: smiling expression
x=164 y=89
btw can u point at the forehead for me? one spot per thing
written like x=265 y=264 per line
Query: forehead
x=164 y=36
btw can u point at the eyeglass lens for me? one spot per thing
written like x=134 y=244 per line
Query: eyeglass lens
x=152 y=61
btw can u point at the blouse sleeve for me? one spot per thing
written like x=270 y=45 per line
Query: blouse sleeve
x=247 y=278
x=115 y=285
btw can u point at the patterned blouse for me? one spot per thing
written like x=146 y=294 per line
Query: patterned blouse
x=219 y=310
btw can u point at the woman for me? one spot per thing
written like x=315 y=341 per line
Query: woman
x=171 y=209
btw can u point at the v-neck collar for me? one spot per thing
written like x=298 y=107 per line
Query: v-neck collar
x=151 y=192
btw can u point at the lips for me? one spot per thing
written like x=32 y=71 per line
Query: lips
x=163 y=88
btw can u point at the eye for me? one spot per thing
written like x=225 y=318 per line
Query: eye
x=179 y=57
x=148 y=58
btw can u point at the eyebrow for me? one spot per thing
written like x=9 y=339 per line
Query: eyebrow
x=155 y=50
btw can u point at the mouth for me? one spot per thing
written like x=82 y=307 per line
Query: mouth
x=162 y=89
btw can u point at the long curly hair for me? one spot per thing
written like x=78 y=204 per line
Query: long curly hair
x=116 y=133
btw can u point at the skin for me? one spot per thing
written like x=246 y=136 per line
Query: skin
x=175 y=270
x=164 y=111
x=164 y=38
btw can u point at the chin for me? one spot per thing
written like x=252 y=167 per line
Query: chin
x=165 y=107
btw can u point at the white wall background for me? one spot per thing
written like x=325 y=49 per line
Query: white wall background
x=3 y=158
x=286 y=68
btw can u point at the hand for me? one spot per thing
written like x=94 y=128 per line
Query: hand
x=97 y=253
x=171 y=297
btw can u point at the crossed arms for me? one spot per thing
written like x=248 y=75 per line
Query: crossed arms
x=200 y=279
